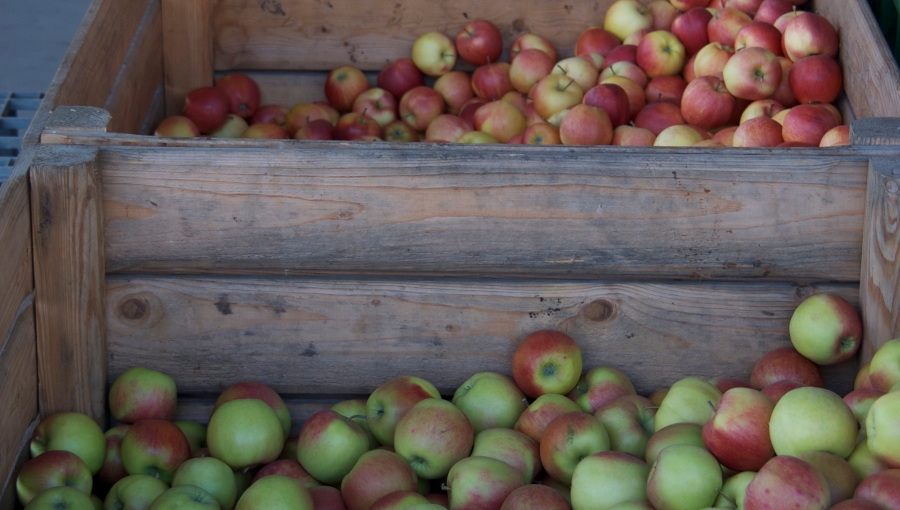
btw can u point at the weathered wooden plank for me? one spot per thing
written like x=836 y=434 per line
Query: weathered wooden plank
x=68 y=267
x=500 y=211
x=342 y=336
x=16 y=277
x=18 y=397
x=188 y=48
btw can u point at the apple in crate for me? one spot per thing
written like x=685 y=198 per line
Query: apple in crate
x=211 y=475
x=326 y=497
x=207 y=107
x=398 y=500
x=816 y=79
x=585 y=125
x=54 y=468
x=606 y=479
x=134 y=491
x=243 y=93
x=789 y=480
x=234 y=127
x=68 y=498
x=629 y=421
x=738 y=433
x=479 y=42
x=275 y=492
x=245 y=432
x=329 y=445
x=684 y=476
x=882 y=429
x=142 y=393
x=154 y=447
x=177 y=126
x=809 y=34
x=274 y=113
x=492 y=80
x=287 y=467
x=419 y=106
x=391 y=400
x=316 y=129
x=555 y=93
x=377 y=473
x=112 y=469
x=481 y=482
x=541 y=411
x=688 y=400
x=623 y=17
x=261 y=391
x=677 y=433
x=489 y=400
x=839 y=474
x=432 y=436
x=812 y=419
x=882 y=488
x=398 y=76
x=785 y=363
x=72 y=431
x=268 y=130
x=535 y=495
x=434 y=53
x=343 y=84
x=752 y=73
x=826 y=328
x=356 y=126
x=599 y=386
x=734 y=489
x=512 y=447
x=547 y=361
x=569 y=438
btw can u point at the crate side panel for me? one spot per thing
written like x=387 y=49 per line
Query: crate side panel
x=332 y=336
x=495 y=212
x=18 y=396
x=315 y=35
x=16 y=275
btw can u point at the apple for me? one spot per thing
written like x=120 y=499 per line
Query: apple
x=433 y=435
x=243 y=93
x=770 y=10
x=329 y=445
x=863 y=461
x=66 y=498
x=664 y=13
x=343 y=84
x=546 y=361
x=207 y=107
x=839 y=475
x=595 y=39
x=477 y=137
x=177 y=126
x=316 y=129
x=274 y=492
x=391 y=400
x=399 y=131
x=534 y=496
x=826 y=328
x=612 y=99
x=398 y=76
x=627 y=135
x=456 y=88
x=512 y=447
x=690 y=28
x=600 y=385
x=660 y=53
x=479 y=42
x=531 y=40
x=758 y=34
x=555 y=93
x=683 y=476
x=759 y=131
x=211 y=475
x=481 y=482
x=857 y=504
x=860 y=400
x=725 y=25
x=812 y=419
x=657 y=116
x=791 y=481
x=501 y=119
x=688 y=399
x=583 y=124
x=529 y=66
x=541 y=133
x=244 y=432
x=53 y=468
x=882 y=433
x=541 y=411
x=734 y=489
x=377 y=473
x=627 y=69
x=356 y=126
x=725 y=135
x=607 y=478
x=274 y=113
x=629 y=422
x=752 y=73
x=711 y=59
x=72 y=431
x=492 y=81
x=785 y=363
x=397 y=500
x=836 y=136
x=807 y=124
x=685 y=5
x=882 y=488
x=434 y=53
x=261 y=391
x=621 y=53
x=419 y=106
x=154 y=447
x=681 y=135
x=446 y=128
x=233 y=127
x=626 y=16
x=677 y=433
x=781 y=21
x=669 y=89
x=580 y=69
x=816 y=79
x=738 y=433
x=725 y=383
x=288 y=467
x=569 y=438
x=302 y=114
x=761 y=107
x=112 y=469
x=636 y=97
x=884 y=367
x=377 y=103
x=326 y=497
x=490 y=399
x=809 y=34
x=134 y=492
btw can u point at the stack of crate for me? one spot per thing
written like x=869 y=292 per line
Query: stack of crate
x=16 y=111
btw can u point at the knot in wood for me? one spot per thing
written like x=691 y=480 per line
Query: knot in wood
x=892 y=187
x=599 y=310
x=134 y=308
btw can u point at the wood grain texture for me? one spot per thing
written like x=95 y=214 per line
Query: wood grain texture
x=343 y=336
x=880 y=275
x=500 y=211
x=16 y=275
x=188 y=48
x=68 y=266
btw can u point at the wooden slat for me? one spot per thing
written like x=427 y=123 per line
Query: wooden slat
x=18 y=397
x=16 y=277
x=188 y=48
x=332 y=336
x=499 y=211
x=68 y=265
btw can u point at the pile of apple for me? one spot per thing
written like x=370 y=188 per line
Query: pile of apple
x=552 y=435
x=741 y=73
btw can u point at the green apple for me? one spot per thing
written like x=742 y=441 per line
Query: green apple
x=73 y=431
x=210 y=474
x=863 y=461
x=54 y=468
x=689 y=399
x=605 y=479
x=244 y=432
x=883 y=428
x=481 y=482
x=432 y=436
x=134 y=492
x=61 y=498
x=490 y=399
x=860 y=400
x=734 y=489
x=826 y=328
x=512 y=447
x=567 y=440
x=329 y=445
x=812 y=419
x=155 y=447
x=355 y=409
x=391 y=400
x=275 y=492
x=629 y=421
x=141 y=393
x=195 y=432
x=599 y=386
x=185 y=497
x=684 y=477
x=376 y=473
x=884 y=367
x=262 y=391
x=677 y=433
x=541 y=411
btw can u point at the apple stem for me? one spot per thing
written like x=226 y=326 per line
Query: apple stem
x=569 y=84
x=712 y=406
x=445 y=487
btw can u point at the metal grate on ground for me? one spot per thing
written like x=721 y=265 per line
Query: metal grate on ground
x=16 y=111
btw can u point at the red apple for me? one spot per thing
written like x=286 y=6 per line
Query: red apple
x=468 y=109
x=398 y=76
x=546 y=361
x=243 y=93
x=207 y=107
x=501 y=119
x=761 y=107
x=326 y=497
x=668 y=89
x=479 y=42
x=686 y=5
x=541 y=411
x=481 y=482
x=287 y=467
x=690 y=28
x=154 y=447
x=274 y=113
x=596 y=39
x=626 y=69
x=554 y=93
x=836 y=136
x=419 y=106
x=377 y=103
x=53 y=468
x=760 y=131
x=657 y=116
x=628 y=135
x=738 y=433
x=816 y=79
x=664 y=13
x=790 y=481
x=456 y=88
x=785 y=363
x=377 y=473
x=535 y=495
x=583 y=124
x=809 y=34
x=532 y=40
x=492 y=80
x=725 y=25
x=580 y=69
x=529 y=66
x=782 y=21
x=432 y=436
x=343 y=84
x=752 y=73
x=303 y=113
x=770 y=10
x=759 y=34
x=711 y=59
x=611 y=98
x=568 y=439
x=636 y=97
x=777 y=389
x=807 y=123
x=660 y=53
x=391 y=400
x=541 y=133
x=265 y=130
x=317 y=129
x=177 y=126
x=446 y=128
x=882 y=488
x=707 y=103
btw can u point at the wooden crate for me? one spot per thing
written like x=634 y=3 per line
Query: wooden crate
x=323 y=269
